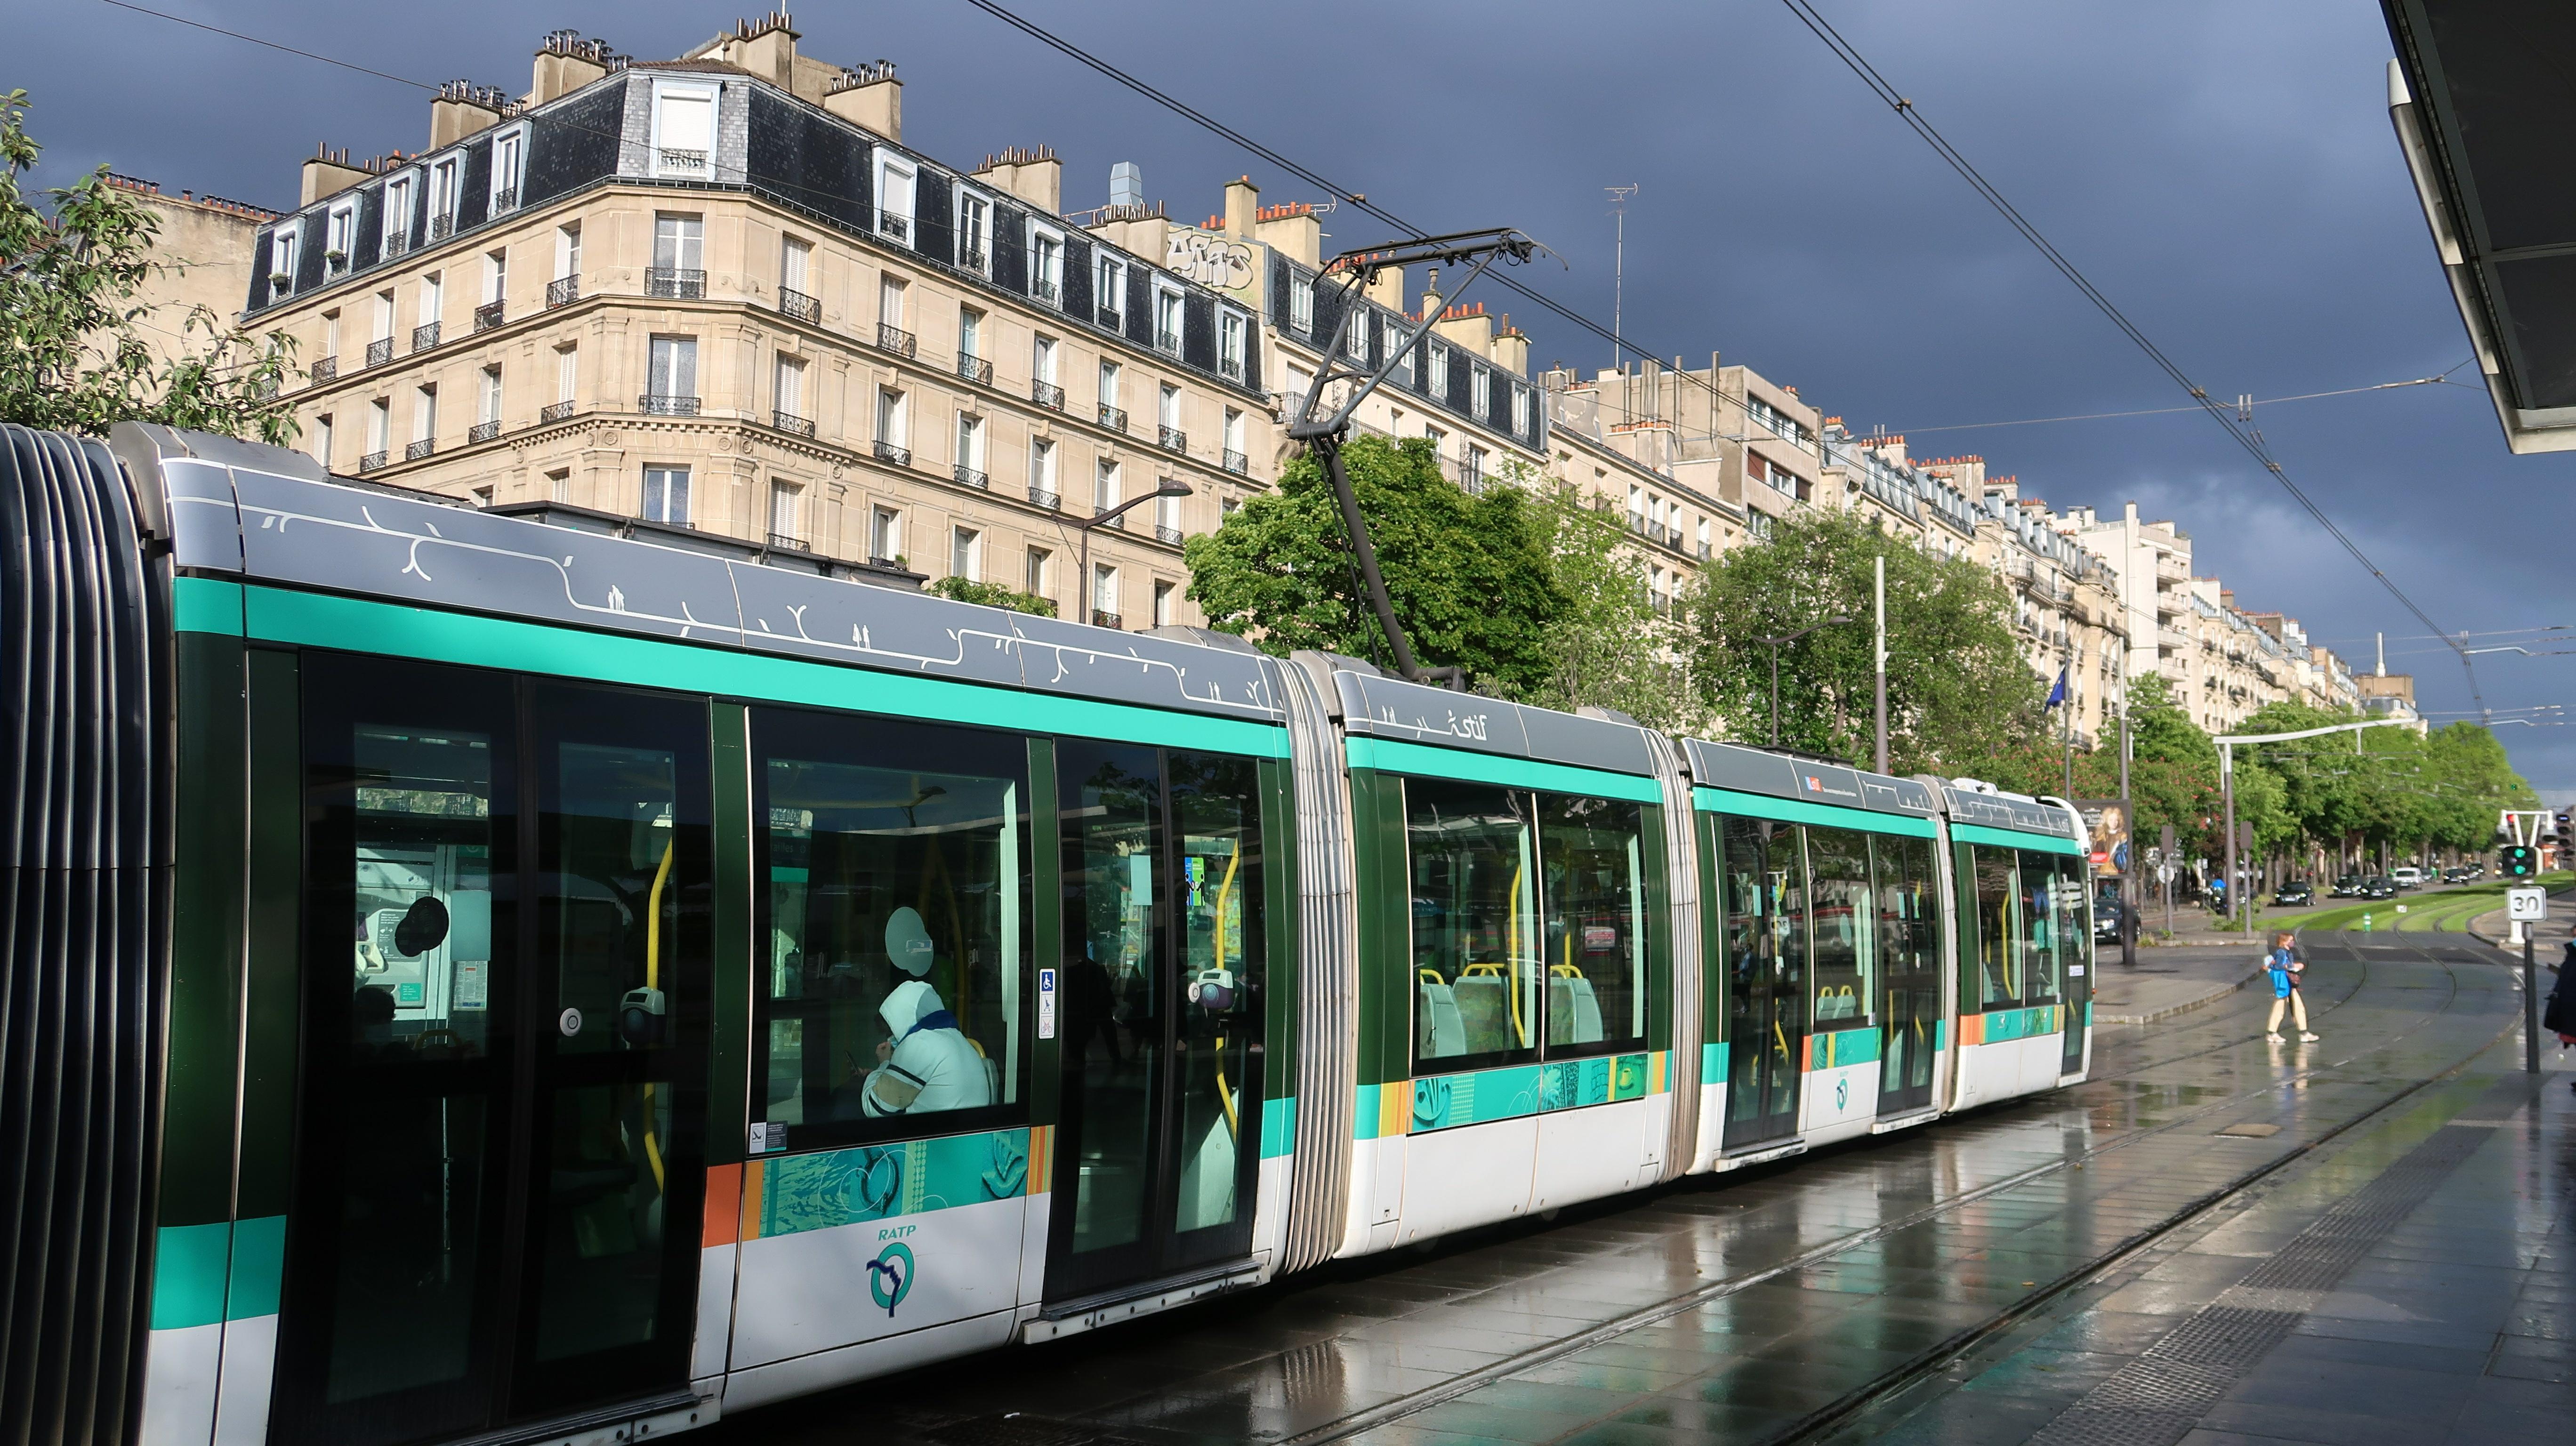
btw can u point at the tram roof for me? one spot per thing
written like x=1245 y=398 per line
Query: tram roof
x=266 y=514
x=1374 y=705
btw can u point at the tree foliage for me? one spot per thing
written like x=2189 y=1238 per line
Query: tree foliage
x=72 y=354
x=993 y=595
x=1611 y=646
x=1959 y=691
x=1469 y=575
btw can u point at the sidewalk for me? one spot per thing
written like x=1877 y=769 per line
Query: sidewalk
x=2168 y=981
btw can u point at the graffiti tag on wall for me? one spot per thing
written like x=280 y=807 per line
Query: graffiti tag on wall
x=1209 y=259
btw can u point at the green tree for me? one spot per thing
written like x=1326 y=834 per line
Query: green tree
x=993 y=595
x=72 y=356
x=1959 y=690
x=1469 y=575
x=1612 y=646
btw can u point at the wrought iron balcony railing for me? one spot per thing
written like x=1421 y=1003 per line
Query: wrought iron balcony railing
x=1170 y=535
x=1045 y=290
x=563 y=291
x=889 y=452
x=371 y=461
x=490 y=314
x=658 y=404
x=424 y=336
x=1114 y=418
x=782 y=542
x=420 y=449
x=971 y=259
x=1113 y=319
x=1172 y=439
x=380 y=351
x=505 y=199
x=890 y=224
x=325 y=369
x=797 y=305
x=441 y=227
x=483 y=431
x=684 y=162
x=675 y=283
x=975 y=369
x=1101 y=618
x=555 y=412
x=894 y=339
x=1236 y=462
x=790 y=422
x=969 y=477
x=1043 y=498
x=1047 y=394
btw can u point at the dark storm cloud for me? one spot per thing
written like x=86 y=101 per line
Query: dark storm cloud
x=2226 y=172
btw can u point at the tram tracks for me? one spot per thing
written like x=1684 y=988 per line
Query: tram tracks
x=1841 y=1409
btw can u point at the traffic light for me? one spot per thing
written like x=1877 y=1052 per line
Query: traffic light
x=2518 y=861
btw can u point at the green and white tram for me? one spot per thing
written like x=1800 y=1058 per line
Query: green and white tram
x=483 y=977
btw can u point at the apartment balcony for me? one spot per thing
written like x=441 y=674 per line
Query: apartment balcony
x=563 y=291
x=888 y=452
x=675 y=283
x=1167 y=341
x=1172 y=439
x=396 y=244
x=895 y=339
x=898 y=227
x=782 y=542
x=657 y=404
x=1047 y=394
x=674 y=161
x=482 y=432
x=969 y=477
x=1114 y=524
x=371 y=462
x=797 y=306
x=975 y=369
x=1043 y=289
x=1114 y=418
x=424 y=336
x=505 y=199
x=422 y=448
x=1237 y=463
x=441 y=227
x=554 y=412
x=1040 y=497
x=1170 y=535
x=1113 y=319
x=1103 y=619
x=792 y=423
x=490 y=314
x=325 y=369
x=971 y=259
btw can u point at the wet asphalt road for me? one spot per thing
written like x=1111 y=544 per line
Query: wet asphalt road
x=1752 y=1306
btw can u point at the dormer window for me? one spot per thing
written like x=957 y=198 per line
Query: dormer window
x=339 y=232
x=1046 y=266
x=282 y=249
x=684 y=132
x=894 y=200
x=1232 y=330
x=399 y=198
x=1167 y=320
x=974 y=233
x=442 y=199
x=509 y=167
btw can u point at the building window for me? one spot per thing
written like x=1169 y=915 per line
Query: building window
x=433 y=293
x=567 y=374
x=488 y=405
x=784 y=498
x=483 y=496
x=1042 y=360
x=679 y=258
x=1235 y=461
x=397 y=229
x=672 y=375
x=1439 y=441
x=1167 y=411
x=974 y=233
x=666 y=495
x=281 y=260
x=339 y=238
x=1476 y=464
x=380 y=426
x=1104 y=487
x=890 y=297
x=885 y=535
x=442 y=198
x=1164 y=592
x=559 y=484
x=965 y=550
x=322 y=440
x=790 y=392
x=1042 y=472
x=892 y=429
x=1301 y=305
x=1520 y=410
x=568 y=249
x=1046 y=266
x=970 y=449
x=496 y=280
x=1395 y=339
x=1480 y=394
x=1355 y=339
x=424 y=415
x=1167 y=518
x=1167 y=320
x=1113 y=291
x=1230 y=333
x=509 y=158
x=796 y=289
x=684 y=132
x=1110 y=390
x=1104 y=595
x=894 y=199
x=1040 y=571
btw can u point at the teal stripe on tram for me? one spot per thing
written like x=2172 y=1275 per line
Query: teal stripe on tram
x=206 y=605
x=1837 y=1048
x=2047 y=843
x=259 y=1267
x=189 y=1263
x=1397 y=757
x=1712 y=1064
x=322 y=621
x=878 y=1182
x=1798 y=810
x=1278 y=1127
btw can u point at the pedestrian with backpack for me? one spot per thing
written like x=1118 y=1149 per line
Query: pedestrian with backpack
x=2285 y=966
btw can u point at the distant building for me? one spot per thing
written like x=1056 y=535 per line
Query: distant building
x=202 y=250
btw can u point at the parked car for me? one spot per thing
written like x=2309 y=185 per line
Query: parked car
x=2406 y=876
x=2108 y=914
x=2296 y=894
x=2379 y=888
x=2347 y=886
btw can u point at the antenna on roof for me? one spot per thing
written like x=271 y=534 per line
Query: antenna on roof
x=1618 y=265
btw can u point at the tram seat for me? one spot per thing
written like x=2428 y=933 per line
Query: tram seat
x=1484 y=1009
x=1437 y=1029
x=1574 y=1011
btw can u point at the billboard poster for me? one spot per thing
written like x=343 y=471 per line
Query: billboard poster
x=2106 y=825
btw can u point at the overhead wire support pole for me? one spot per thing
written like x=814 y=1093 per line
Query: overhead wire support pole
x=2227 y=743
x=1324 y=435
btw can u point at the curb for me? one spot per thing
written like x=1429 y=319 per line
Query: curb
x=2216 y=993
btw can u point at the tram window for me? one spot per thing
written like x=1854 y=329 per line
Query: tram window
x=1908 y=936
x=1999 y=929
x=1473 y=864
x=2041 y=942
x=1845 y=926
x=896 y=862
x=1594 y=940
x=424 y=893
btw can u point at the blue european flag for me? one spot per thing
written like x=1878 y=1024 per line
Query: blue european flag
x=2056 y=691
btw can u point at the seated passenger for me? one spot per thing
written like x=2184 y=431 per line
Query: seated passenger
x=926 y=1063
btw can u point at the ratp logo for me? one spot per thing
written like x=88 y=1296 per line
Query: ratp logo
x=1815 y=784
x=890 y=1276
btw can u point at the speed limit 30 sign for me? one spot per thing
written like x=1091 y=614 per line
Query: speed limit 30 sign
x=2528 y=905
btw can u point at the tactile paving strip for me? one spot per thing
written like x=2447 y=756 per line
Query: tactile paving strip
x=2158 y=1398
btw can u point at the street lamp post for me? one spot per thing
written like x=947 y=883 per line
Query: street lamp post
x=1774 y=644
x=1082 y=585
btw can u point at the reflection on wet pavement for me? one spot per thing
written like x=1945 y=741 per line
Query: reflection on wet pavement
x=1763 y=1303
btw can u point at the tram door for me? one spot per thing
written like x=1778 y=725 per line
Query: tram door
x=498 y=1165
x=1909 y=932
x=1765 y=884
x=1159 y=1141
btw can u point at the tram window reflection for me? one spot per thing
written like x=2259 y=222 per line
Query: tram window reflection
x=1473 y=863
x=1594 y=943
x=423 y=952
x=2042 y=940
x=1845 y=926
x=2000 y=929
x=894 y=916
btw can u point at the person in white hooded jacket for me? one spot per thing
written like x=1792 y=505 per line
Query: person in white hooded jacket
x=926 y=1061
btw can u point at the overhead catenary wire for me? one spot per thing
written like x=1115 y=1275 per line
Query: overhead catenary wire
x=2218 y=412
x=2435 y=380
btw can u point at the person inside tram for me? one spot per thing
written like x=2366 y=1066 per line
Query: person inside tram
x=925 y=1063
